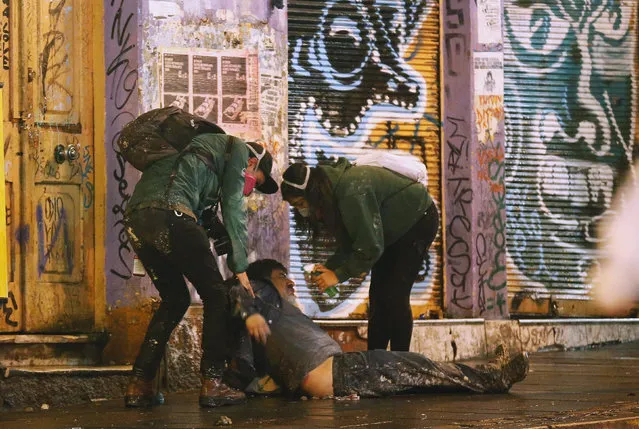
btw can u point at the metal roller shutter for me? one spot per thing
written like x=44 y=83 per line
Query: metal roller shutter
x=363 y=74
x=570 y=105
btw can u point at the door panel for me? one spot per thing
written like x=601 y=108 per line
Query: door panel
x=58 y=101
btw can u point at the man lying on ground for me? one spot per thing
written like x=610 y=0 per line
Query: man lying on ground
x=304 y=359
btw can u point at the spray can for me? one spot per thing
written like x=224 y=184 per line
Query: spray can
x=138 y=267
x=309 y=272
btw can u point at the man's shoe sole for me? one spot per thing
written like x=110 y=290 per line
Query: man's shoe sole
x=212 y=402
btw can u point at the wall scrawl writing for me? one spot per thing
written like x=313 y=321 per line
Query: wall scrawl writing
x=122 y=78
x=55 y=238
x=458 y=247
x=56 y=56
x=6 y=34
x=8 y=307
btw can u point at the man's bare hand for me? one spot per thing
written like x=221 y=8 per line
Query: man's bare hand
x=258 y=328
x=246 y=284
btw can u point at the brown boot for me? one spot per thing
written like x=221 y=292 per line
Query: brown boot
x=514 y=367
x=216 y=393
x=139 y=393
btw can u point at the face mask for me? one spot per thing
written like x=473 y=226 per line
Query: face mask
x=249 y=184
x=304 y=212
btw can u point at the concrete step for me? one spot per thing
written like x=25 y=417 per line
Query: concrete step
x=458 y=339
x=69 y=371
x=53 y=386
x=51 y=350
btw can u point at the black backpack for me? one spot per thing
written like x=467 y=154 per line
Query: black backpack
x=159 y=133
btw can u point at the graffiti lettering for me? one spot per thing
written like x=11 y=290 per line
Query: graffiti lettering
x=55 y=62
x=496 y=167
x=6 y=34
x=489 y=112
x=481 y=260
x=455 y=16
x=459 y=228
x=455 y=45
x=124 y=248
x=124 y=76
x=8 y=307
x=48 y=168
x=84 y=168
x=55 y=250
x=485 y=157
x=124 y=83
x=455 y=41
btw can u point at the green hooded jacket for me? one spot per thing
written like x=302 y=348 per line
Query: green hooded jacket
x=377 y=207
x=196 y=187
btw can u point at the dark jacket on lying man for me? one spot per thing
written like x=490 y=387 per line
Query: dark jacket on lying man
x=296 y=345
x=304 y=359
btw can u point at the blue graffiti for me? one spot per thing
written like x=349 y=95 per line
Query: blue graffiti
x=23 y=234
x=53 y=235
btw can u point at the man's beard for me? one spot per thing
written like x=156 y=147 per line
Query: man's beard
x=292 y=299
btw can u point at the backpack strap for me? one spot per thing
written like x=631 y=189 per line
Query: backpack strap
x=206 y=158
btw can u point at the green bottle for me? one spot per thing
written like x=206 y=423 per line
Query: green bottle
x=309 y=271
x=331 y=291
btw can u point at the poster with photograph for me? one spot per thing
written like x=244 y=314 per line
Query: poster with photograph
x=489 y=73
x=489 y=94
x=220 y=86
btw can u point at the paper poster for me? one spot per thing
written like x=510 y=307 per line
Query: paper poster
x=489 y=93
x=489 y=21
x=220 y=86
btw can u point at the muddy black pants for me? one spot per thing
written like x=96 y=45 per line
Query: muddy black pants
x=392 y=277
x=171 y=246
x=380 y=373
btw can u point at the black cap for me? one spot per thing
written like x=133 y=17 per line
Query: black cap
x=265 y=163
x=296 y=175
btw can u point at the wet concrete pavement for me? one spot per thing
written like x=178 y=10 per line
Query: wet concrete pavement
x=598 y=386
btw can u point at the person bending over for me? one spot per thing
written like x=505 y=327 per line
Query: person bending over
x=161 y=221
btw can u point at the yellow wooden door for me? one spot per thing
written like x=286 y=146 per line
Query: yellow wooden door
x=56 y=133
x=17 y=232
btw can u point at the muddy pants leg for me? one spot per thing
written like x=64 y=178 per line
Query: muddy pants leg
x=147 y=231
x=171 y=245
x=379 y=373
x=191 y=251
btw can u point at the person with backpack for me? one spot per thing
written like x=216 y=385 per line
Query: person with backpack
x=383 y=223
x=161 y=221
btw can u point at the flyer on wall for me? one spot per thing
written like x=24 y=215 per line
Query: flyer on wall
x=221 y=86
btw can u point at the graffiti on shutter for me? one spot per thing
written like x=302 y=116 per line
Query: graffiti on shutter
x=362 y=75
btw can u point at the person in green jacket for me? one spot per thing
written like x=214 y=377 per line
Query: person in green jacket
x=383 y=223
x=161 y=221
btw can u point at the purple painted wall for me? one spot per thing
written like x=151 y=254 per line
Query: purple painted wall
x=122 y=105
x=473 y=165
x=456 y=171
